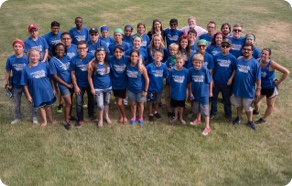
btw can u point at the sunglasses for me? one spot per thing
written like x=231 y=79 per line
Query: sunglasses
x=237 y=30
x=225 y=46
x=201 y=46
x=100 y=49
x=94 y=34
x=173 y=24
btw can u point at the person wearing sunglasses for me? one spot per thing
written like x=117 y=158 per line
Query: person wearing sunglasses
x=223 y=75
x=244 y=91
x=172 y=34
x=94 y=42
x=211 y=27
x=237 y=40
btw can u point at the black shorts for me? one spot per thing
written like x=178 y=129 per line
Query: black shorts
x=177 y=103
x=120 y=93
x=269 y=92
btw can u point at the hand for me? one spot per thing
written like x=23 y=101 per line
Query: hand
x=69 y=85
x=29 y=99
x=54 y=92
x=229 y=82
x=258 y=93
x=8 y=87
x=92 y=91
x=77 y=90
x=144 y=94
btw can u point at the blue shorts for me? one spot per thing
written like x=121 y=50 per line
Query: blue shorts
x=136 y=97
x=66 y=92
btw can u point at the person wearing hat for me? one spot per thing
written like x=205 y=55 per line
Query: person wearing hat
x=14 y=65
x=172 y=34
x=37 y=42
x=94 y=42
x=104 y=36
x=223 y=74
x=118 y=40
x=127 y=36
x=250 y=38
x=53 y=36
x=79 y=33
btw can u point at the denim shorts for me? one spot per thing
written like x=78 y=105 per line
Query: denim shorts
x=103 y=97
x=66 y=92
x=136 y=97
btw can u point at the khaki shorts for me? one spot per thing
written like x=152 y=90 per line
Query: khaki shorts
x=242 y=102
x=199 y=108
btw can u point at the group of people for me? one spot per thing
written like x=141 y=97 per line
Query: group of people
x=196 y=64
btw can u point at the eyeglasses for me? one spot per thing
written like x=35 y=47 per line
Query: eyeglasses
x=32 y=31
x=82 y=48
x=246 y=49
x=100 y=49
x=237 y=30
x=225 y=46
x=201 y=46
x=66 y=39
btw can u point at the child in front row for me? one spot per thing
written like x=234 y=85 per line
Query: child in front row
x=200 y=89
x=156 y=72
x=178 y=85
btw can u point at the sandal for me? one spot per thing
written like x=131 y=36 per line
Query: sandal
x=108 y=121
x=195 y=122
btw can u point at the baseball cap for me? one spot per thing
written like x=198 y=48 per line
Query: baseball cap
x=32 y=26
x=93 y=30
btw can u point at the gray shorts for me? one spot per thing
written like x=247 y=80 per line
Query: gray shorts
x=66 y=92
x=154 y=97
x=136 y=97
x=202 y=109
x=239 y=102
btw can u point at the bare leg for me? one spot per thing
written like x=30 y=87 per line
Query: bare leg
x=44 y=116
x=50 y=114
x=106 y=117
x=119 y=101
x=67 y=108
x=270 y=107
x=258 y=103
x=140 y=108
x=133 y=109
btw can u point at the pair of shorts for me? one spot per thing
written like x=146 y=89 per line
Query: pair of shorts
x=47 y=103
x=66 y=92
x=269 y=92
x=177 y=103
x=154 y=97
x=245 y=102
x=200 y=108
x=136 y=97
x=120 y=93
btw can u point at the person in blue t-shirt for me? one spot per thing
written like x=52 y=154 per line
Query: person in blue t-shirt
x=237 y=40
x=141 y=28
x=247 y=74
x=14 y=65
x=200 y=89
x=59 y=69
x=178 y=80
x=127 y=37
x=184 y=49
x=94 y=42
x=223 y=74
x=104 y=36
x=211 y=27
x=37 y=42
x=156 y=72
x=137 y=86
x=137 y=40
x=79 y=33
x=157 y=44
x=192 y=34
x=70 y=47
x=79 y=75
x=53 y=36
x=118 y=40
x=100 y=84
x=172 y=34
x=269 y=83
x=215 y=47
x=226 y=29
x=250 y=38
x=38 y=86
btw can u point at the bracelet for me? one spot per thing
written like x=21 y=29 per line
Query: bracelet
x=145 y=90
x=259 y=88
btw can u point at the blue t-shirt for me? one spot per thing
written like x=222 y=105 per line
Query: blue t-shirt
x=93 y=46
x=267 y=77
x=112 y=47
x=178 y=80
x=80 y=67
x=61 y=68
x=246 y=75
x=164 y=56
x=145 y=40
x=207 y=37
x=172 y=36
x=40 y=44
x=142 y=51
x=128 y=40
x=16 y=65
x=214 y=50
x=51 y=39
x=223 y=67
x=136 y=80
x=108 y=40
x=38 y=82
x=208 y=61
x=200 y=80
x=76 y=36
x=236 y=47
x=256 y=53
x=101 y=79
x=156 y=75
x=72 y=51
x=118 y=72
x=193 y=48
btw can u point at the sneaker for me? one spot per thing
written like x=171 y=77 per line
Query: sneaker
x=93 y=118
x=125 y=101
x=195 y=122
x=67 y=125
x=133 y=121
x=72 y=118
x=151 y=119
x=84 y=105
x=15 y=121
x=251 y=125
x=141 y=120
x=78 y=124
x=35 y=120
x=157 y=115
x=254 y=112
x=260 y=121
x=60 y=108
x=206 y=131
x=237 y=120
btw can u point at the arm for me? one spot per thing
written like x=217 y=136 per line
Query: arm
x=145 y=75
x=76 y=88
x=29 y=98
x=53 y=86
x=59 y=80
x=285 y=72
x=258 y=88
x=45 y=55
x=90 y=72
x=231 y=78
x=7 y=77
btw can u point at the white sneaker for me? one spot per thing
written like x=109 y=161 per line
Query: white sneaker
x=125 y=101
x=15 y=121
x=35 y=120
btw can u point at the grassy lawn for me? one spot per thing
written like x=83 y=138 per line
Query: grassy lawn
x=159 y=153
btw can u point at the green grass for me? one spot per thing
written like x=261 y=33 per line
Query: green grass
x=159 y=153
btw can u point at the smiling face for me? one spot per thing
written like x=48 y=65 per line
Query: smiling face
x=34 y=56
x=93 y=36
x=192 y=23
x=184 y=43
x=55 y=30
x=118 y=53
x=78 y=22
x=134 y=57
x=66 y=39
x=265 y=55
x=249 y=40
x=218 y=39
x=157 y=26
x=118 y=37
x=127 y=32
x=33 y=33
x=141 y=29
x=137 y=42
x=211 y=28
x=247 y=51
x=157 y=41
x=237 y=32
x=60 y=51
x=18 y=49
x=197 y=64
x=82 y=50
x=100 y=56
x=201 y=48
